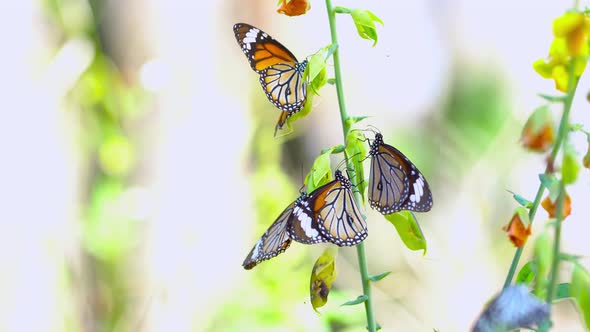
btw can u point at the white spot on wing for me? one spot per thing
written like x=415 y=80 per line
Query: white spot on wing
x=418 y=190
x=256 y=249
x=305 y=223
x=250 y=37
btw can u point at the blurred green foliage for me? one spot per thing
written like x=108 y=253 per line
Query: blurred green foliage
x=106 y=105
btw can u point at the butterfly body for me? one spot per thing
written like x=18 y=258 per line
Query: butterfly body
x=281 y=75
x=396 y=183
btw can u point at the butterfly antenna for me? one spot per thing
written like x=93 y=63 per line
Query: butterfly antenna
x=374 y=129
x=341 y=163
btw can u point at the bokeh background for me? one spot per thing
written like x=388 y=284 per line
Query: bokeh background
x=139 y=165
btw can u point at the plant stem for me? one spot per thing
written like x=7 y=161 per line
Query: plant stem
x=561 y=135
x=360 y=248
x=556 y=245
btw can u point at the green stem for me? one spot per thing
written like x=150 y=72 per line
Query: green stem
x=556 y=245
x=561 y=135
x=360 y=248
x=554 y=274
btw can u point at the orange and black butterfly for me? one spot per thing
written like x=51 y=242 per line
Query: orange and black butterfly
x=281 y=75
x=395 y=184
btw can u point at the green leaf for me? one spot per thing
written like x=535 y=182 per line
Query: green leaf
x=553 y=99
x=378 y=277
x=521 y=200
x=562 y=292
x=322 y=276
x=320 y=173
x=358 y=300
x=527 y=273
x=408 y=229
x=331 y=81
x=301 y=114
x=315 y=71
x=580 y=290
x=355 y=119
x=364 y=21
x=342 y=10
x=552 y=184
x=543 y=258
x=569 y=257
x=335 y=149
x=570 y=167
x=332 y=48
x=523 y=215
x=356 y=151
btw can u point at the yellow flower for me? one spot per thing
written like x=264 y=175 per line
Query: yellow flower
x=574 y=28
x=569 y=48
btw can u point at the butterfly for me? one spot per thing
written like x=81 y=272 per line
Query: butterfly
x=327 y=214
x=395 y=184
x=295 y=222
x=281 y=75
x=338 y=218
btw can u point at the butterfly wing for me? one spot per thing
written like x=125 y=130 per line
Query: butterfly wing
x=395 y=183
x=338 y=217
x=273 y=242
x=261 y=49
x=281 y=75
x=303 y=226
x=284 y=86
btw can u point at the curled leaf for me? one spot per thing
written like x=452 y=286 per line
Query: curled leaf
x=364 y=21
x=287 y=129
x=551 y=206
x=320 y=172
x=322 y=276
x=356 y=151
x=408 y=229
x=294 y=7
x=517 y=231
x=515 y=307
x=315 y=71
x=538 y=133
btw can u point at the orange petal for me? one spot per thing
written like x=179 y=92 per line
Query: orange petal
x=294 y=7
x=540 y=141
x=517 y=232
x=537 y=134
x=586 y=160
x=551 y=207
